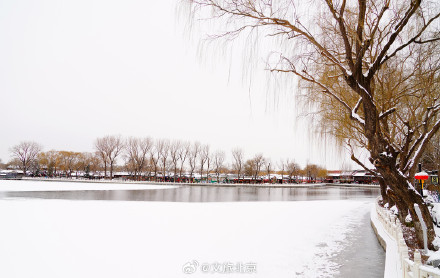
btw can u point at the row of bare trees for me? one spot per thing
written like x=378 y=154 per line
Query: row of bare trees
x=178 y=157
x=163 y=155
x=285 y=167
x=152 y=159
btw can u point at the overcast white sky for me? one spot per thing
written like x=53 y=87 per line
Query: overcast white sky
x=72 y=71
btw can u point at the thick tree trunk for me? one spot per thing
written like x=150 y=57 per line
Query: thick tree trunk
x=383 y=191
x=405 y=196
x=24 y=169
x=396 y=187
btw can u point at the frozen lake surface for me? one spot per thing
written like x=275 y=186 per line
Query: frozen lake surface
x=206 y=231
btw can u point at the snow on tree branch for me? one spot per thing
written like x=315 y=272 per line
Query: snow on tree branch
x=422 y=145
x=386 y=113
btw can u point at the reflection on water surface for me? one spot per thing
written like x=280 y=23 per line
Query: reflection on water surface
x=207 y=194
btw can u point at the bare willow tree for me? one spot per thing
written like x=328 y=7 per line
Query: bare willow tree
x=258 y=162
x=154 y=159
x=26 y=152
x=109 y=148
x=312 y=171
x=342 y=52
x=50 y=161
x=67 y=162
x=192 y=159
x=209 y=160
x=137 y=150
x=93 y=164
x=183 y=153
x=101 y=146
x=219 y=160
x=292 y=169
x=203 y=159
x=80 y=163
x=163 y=149
x=175 y=148
x=238 y=163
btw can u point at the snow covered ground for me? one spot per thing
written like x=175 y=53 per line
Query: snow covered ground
x=54 y=185
x=60 y=238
